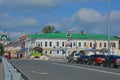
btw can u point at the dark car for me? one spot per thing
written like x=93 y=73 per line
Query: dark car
x=112 y=61
x=83 y=59
x=96 y=59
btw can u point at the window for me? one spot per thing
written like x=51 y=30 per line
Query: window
x=57 y=43
x=90 y=44
x=79 y=44
x=63 y=44
x=45 y=44
x=50 y=44
x=45 y=52
x=84 y=44
x=105 y=44
x=57 y=52
x=73 y=43
x=114 y=45
x=50 y=52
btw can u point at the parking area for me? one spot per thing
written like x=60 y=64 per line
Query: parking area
x=112 y=61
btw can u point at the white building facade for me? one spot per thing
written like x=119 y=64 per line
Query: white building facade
x=77 y=43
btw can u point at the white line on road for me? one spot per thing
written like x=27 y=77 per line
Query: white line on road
x=44 y=73
x=118 y=74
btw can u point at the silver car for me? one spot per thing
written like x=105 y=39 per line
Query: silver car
x=73 y=57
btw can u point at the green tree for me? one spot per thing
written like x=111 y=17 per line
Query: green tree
x=57 y=32
x=48 y=29
x=82 y=52
x=1 y=49
x=38 y=49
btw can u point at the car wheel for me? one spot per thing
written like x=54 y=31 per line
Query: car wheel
x=94 y=63
x=112 y=65
x=69 y=60
x=89 y=63
x=104 y=65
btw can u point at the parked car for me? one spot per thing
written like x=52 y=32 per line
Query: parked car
x=7 y=55
x=112 y=61
x=96 y=59
x=83 y=59
x=73 y=57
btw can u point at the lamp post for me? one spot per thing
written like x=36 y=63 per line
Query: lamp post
x=108 y=25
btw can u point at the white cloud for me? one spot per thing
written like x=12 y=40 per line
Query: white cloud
x=115 y=16
x=5 y=16
x=28 y=4
x=55 y=24
x=15 y=35
x=35 y=4
x=88 y=16
x=7 y=20
x=95 y=21
x=27 y=22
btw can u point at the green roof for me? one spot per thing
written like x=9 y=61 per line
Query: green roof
x=73 y=36
x=4 y=36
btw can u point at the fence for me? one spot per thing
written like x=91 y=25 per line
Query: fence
x=9 y=72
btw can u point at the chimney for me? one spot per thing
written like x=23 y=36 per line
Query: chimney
x=82 y=32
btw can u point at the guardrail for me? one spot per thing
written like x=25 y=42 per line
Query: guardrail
x=9 y=72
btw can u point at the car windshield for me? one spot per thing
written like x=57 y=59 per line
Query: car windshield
x=117 y=57
x=77 y=54
x=102 y=56
x=85 y=56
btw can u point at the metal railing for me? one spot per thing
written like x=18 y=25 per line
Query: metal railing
x=9 y=72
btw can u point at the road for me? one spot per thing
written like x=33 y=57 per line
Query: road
x=52 y=70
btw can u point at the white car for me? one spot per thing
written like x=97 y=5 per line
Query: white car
x=73 y=57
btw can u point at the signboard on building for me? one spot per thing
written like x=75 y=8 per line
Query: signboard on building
x=68 y=44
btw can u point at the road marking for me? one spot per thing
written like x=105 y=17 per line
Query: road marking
x=44 y=73
x=118 y=74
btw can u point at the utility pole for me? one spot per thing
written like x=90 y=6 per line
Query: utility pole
x=108 y=24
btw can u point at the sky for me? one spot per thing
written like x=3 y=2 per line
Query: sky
x=19 y=17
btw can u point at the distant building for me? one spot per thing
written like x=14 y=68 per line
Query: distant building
x=76 y=42
x=4 y=38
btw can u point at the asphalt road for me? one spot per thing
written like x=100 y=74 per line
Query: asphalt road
x=52 y=70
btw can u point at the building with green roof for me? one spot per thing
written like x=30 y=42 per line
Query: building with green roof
x=4 y=39
x=74 y=36
x=74 y=42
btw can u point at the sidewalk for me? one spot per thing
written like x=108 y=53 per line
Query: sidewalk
x=0 y=71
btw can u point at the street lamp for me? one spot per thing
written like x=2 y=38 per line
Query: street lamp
x=108 y=24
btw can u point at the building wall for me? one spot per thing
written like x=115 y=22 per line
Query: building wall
x=77 y=44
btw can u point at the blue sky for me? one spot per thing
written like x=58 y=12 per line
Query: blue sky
x=19 y=17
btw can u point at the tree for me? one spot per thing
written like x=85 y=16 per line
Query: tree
x=57 y=32
x=48 y=29
x=82 y=52
x=38 y=49
x=1 y=49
